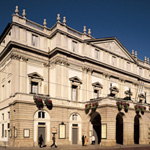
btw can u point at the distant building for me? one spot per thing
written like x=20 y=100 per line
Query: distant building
x=63 y=82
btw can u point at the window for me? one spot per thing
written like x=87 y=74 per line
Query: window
x=26 y=133
x=2 y=130
x=3 y=92
x=8 y=125
x=41 y=114
x=113 y=60
x=9 y=88
x=128 y=66
x=34 y=40
x=96 y=53
x=140 y=71
x=8 y=115
x=96 y=93
x=34 y=87
x=5 y=133
x=3 y=116
x=74 y=46
x=74 y=92
x=74 y=117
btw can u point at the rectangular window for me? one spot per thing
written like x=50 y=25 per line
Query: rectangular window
x=34 y=87
x=43 y=114
x=3 y=116
x=128 y=66
x=113 y=61
x=149 y=133
x=74 y=46
x=34 y=40
x=96 y=93
x=2 y=130
x=9 y=88
x=8 y=125
x=62 y=131
x=3 y=92
x=26 y=133
x=5 y=133
x=8 y=115
x=74 y=92
x=96 y=54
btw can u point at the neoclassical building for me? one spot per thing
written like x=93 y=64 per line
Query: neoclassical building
x=67 y=83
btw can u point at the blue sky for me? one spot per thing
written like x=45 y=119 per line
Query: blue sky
x=128 y=20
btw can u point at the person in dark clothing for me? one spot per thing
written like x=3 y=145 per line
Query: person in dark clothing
x=54 y=142
x=83 y=140
x=40 y=141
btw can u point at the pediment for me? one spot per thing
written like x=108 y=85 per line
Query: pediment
x=97 y=84
x=113 y=46
x=35 y=75
x=76 y=79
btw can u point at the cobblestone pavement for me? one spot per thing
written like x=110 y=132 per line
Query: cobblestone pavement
x=78 y=147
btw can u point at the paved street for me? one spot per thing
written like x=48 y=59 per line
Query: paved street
x=90 y=147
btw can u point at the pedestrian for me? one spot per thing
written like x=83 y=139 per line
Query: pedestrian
x=82 y=140
x=40 y=141
x=54 y=141
x=93 y=140
x=85 y=141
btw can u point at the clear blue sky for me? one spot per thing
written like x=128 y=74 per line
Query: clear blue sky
x=128 y=20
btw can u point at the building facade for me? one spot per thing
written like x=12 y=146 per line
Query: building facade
x=95 y=85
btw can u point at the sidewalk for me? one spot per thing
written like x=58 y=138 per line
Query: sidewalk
x=78 y=147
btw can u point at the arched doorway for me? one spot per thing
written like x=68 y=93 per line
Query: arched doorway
x=42 y=126
x=75 y=127
x=136 y=129
x=119 y=128
x=96 y=122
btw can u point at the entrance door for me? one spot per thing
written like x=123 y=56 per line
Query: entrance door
x=41 y=131
x=96 y=121
x=136 y=130
x=119 y=129
x=74 y=135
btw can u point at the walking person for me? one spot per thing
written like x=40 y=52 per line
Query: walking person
x=85 y=141
x=93 y=140
x=82 y=140
x=40 y=141
x=54 y=141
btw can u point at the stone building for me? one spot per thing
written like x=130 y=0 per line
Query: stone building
x=95 y=85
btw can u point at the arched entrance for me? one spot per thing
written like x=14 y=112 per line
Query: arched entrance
x=41 y=126
x=119 y=128
x=136 y=129
x=96 y=122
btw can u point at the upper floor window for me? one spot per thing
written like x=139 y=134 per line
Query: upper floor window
x=96 y=93
x=9 y=115
x=74 y=46
x=140 y=71
x=128 y=66
x=35 y=81
x=3 y=116
x=34 y=87
x=41 y=114
x=34 y=40
x=75 y=84
x=96 y=54
x=74 y=92
x=97 y=86
x=114 y=61
x=2 y=130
